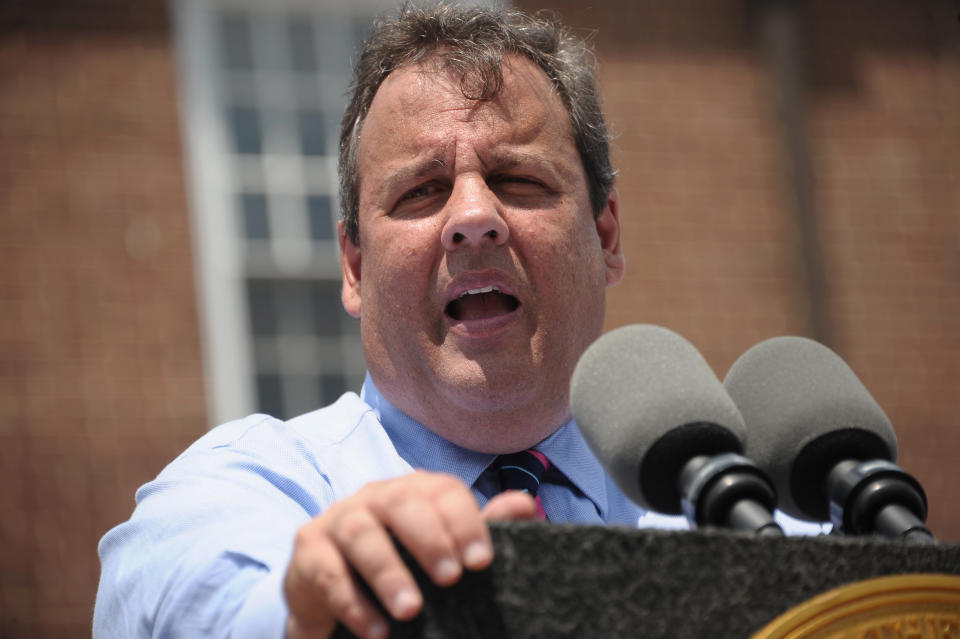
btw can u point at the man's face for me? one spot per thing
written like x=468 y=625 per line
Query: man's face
x=480 y=272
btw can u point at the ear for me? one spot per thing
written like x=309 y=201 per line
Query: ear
x=350 y=271
x=608 y=230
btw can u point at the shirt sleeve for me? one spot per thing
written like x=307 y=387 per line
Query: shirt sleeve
x=204 y=553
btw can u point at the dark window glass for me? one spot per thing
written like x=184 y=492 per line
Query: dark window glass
x=303 y=54
x=319 y=215
x=263 y=312
x=270 y=395
x=331 y=388
x=235 y=47
x=295 y=306
x=328 y=309
x=302 y=394
x=349 y=327
x=312 y=134
x=245 y=130
x=361 y=29
x=256 y=223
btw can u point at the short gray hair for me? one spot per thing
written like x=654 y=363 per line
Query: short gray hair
x=474 y=41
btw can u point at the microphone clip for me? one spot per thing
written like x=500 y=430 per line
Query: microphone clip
x=728 y=491
x=877 y=496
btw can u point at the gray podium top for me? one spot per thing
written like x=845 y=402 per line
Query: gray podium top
x=574 y=581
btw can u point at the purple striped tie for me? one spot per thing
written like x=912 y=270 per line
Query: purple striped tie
x=523 y=471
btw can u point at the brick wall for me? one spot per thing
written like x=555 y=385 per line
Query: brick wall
x=713 y=251
x=100 y=371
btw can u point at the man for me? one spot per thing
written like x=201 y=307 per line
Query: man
x=480 y=230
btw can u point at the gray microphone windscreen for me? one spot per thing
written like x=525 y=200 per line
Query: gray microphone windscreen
x=647 y=402
x=805 y=411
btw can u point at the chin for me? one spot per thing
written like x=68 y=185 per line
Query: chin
x=477 y=390
x=515 y=403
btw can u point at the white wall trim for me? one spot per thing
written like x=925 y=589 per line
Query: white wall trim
x=228 y=367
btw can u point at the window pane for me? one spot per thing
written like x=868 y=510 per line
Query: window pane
x=270 y=395
x=295 y=307
x=349 y=328
x=361 y=28
x=331 y=388
x=318 y=212
x=328 y=309
x=235 y=48
x=303 y=55
x=262 y=309
x=312 y=138
x=256 y=223
x=245 y=130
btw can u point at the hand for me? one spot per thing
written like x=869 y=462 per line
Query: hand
x=434 y=516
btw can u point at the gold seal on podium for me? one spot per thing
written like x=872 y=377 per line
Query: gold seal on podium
x=923 y=606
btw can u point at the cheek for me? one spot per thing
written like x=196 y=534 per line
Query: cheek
x=571 y=252
x=400 y=266
x=578 y=285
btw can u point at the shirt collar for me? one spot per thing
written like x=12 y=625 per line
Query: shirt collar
x=422 y=448
x=569 y=453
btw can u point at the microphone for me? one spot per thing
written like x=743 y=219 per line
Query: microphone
x=661 y=423
x=826 y=443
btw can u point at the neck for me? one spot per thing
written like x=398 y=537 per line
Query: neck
x=478 y=426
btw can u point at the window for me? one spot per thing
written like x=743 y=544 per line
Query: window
x=263 y=89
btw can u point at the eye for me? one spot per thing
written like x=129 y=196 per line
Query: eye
x=524 y=191
x=514 y=179
x=422 y=191
x=518 y=185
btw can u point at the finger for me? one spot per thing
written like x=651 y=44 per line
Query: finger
x=320 y=590
x=470 y=535
x=418 y=516
x=513 y=504
x=365 y=545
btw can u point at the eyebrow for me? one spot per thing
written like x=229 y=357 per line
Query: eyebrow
x=509 y=159
x=412 y=172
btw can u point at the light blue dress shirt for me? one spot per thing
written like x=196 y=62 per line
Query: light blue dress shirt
x=205 y=551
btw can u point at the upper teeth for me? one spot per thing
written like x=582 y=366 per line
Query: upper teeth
x=485 y=289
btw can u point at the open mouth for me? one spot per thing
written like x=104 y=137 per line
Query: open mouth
x=481 y=303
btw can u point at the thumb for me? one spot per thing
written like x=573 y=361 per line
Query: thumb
x=513 y=504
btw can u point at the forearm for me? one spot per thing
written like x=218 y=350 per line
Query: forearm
x=205 y=534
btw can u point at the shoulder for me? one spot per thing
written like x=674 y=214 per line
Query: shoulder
x=337 y=448
x=322 y=427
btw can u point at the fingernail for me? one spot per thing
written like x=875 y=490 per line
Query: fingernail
x=477 y=555
x=377 y=630
x=405 y=603
x=446 y=570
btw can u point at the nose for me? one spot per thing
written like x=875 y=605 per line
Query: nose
x=474 y=217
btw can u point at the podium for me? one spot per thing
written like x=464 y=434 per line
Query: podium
x=551 y=581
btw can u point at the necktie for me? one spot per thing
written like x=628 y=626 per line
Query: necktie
x=523 y=471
